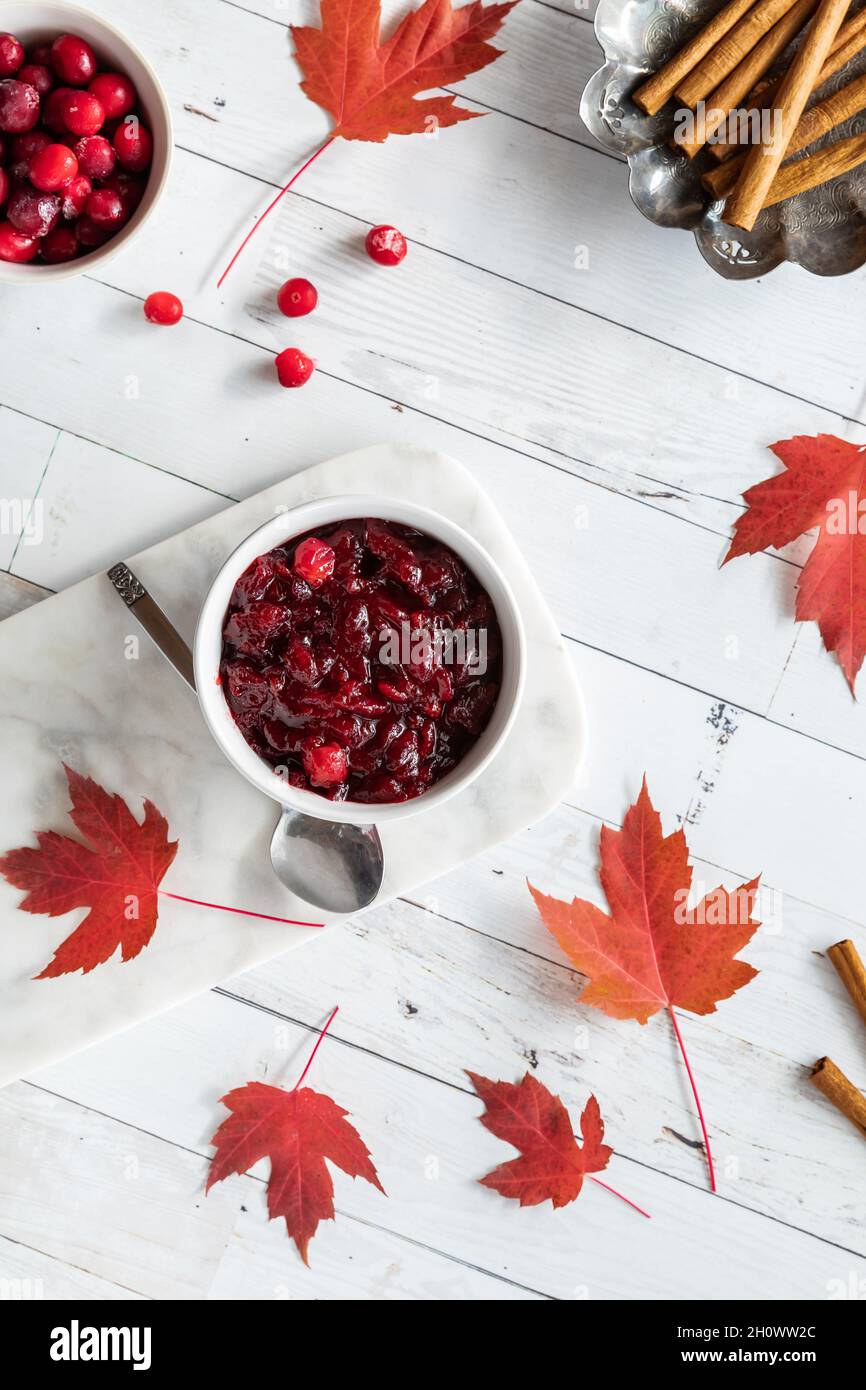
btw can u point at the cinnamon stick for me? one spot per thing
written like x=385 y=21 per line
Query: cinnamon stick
x=827 y=164
x=730 y=51
x=845 y=1096
x=850 y=40
x=652 y=96
x=847 y=961
x=812 y=124
x=743 y=77
x=762 y=163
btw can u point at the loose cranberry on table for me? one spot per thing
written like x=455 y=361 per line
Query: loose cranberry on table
x=52 y=167
x=385 y=245
x=296 y=298
x=73 y=60
x=331 y=669
x=163 y=308
x=11 y=55
x=294 y=367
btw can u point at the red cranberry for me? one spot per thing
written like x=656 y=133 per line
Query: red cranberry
x=11 y=54
x=163 y=307
x=32 y=213
x=385 y=245
x=130 y=188
x=52 y=111
x=4 y=186
x=59 y=245
x=24 y=147
x=116 y=93
x=82 y=113
x=326 y=766
x=95 y=156
x=16 y=246
x=133 y=145
x=74 y=197
x=297 y=297
x=41 y=55
x=73 y=60
x=52 y=168
x=314 y=561
x=294 y=367
x=19 y=106
x=105 y=208
x=90 y=234
x=38 y=76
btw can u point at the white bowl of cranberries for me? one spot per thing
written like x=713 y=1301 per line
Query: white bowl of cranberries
x=359 y=658
x=85 y=141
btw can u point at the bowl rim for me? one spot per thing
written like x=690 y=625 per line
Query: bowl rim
x=292 y=521
x=31 y=273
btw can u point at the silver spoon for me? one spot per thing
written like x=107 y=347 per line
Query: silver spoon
x=338 y=868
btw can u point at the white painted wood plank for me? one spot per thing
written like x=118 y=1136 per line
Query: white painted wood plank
x=25 y=448
x=429 y=1148
x=513 y=199
x=27 y=1274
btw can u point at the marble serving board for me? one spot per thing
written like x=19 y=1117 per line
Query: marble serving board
x=75 y=688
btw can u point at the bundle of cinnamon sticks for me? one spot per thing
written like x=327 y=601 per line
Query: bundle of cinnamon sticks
x=726 y=90
x=825 y=1074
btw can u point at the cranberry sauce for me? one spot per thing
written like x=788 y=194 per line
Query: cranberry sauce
x=362 y=661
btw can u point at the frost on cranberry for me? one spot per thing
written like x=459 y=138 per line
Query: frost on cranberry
x=37 y=75
x=95 y=155
x=33 y=213
x=314 y=681
x=385 y=245
x=11 y=55
x=19 y=106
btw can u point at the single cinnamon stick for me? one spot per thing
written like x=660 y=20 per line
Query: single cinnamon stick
x=845 y=1096
x=847 y=961
x=827 y=164
x=762 y=162
x=850 y=40
x=813 y=123
x=742 y=79
x=730 y=51
x=652 y=96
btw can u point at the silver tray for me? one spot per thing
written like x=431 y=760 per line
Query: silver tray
x=823 y=230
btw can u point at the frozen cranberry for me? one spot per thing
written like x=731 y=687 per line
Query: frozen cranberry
x=59 y=245
x=82 y=113
x=294 y=367
x=73 y=60
x=22 y=150
x=163 y=307
x=133 y=145
x=95 y=156
x=74 y=197
x=19 y=106
x=297 y=297
x=105 y=208
x=16 y=246
x=4 y=186
x=38 y=76
x=90 y=234
x=52 y=111
x=385 y=245
x=52 y=168
x=11 y=54
x=326 y=766
x=33 y=213
x=314 y=561
x=116 y=93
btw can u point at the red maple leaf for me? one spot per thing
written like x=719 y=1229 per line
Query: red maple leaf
x=653 y=952
x=297 y=1130
x=552 y=1164
x=823 y=487
x=371 y=88
x=116 y=876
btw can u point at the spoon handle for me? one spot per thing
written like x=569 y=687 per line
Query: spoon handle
x=153 y=620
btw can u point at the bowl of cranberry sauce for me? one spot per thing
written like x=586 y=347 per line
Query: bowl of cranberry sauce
x=359 y=660
x=85 y=141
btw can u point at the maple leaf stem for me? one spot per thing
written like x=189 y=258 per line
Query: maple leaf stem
x=629 y=1203
x=319 y=1040
x=272 y=204
x=242 y=911
x=696 y=1096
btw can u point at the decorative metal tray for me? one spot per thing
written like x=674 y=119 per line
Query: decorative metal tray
x=823 y=230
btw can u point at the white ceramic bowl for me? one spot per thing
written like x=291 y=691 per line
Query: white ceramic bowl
x=311 y=516
x=33 y=22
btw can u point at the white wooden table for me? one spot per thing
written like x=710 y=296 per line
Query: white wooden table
x=615 y=412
